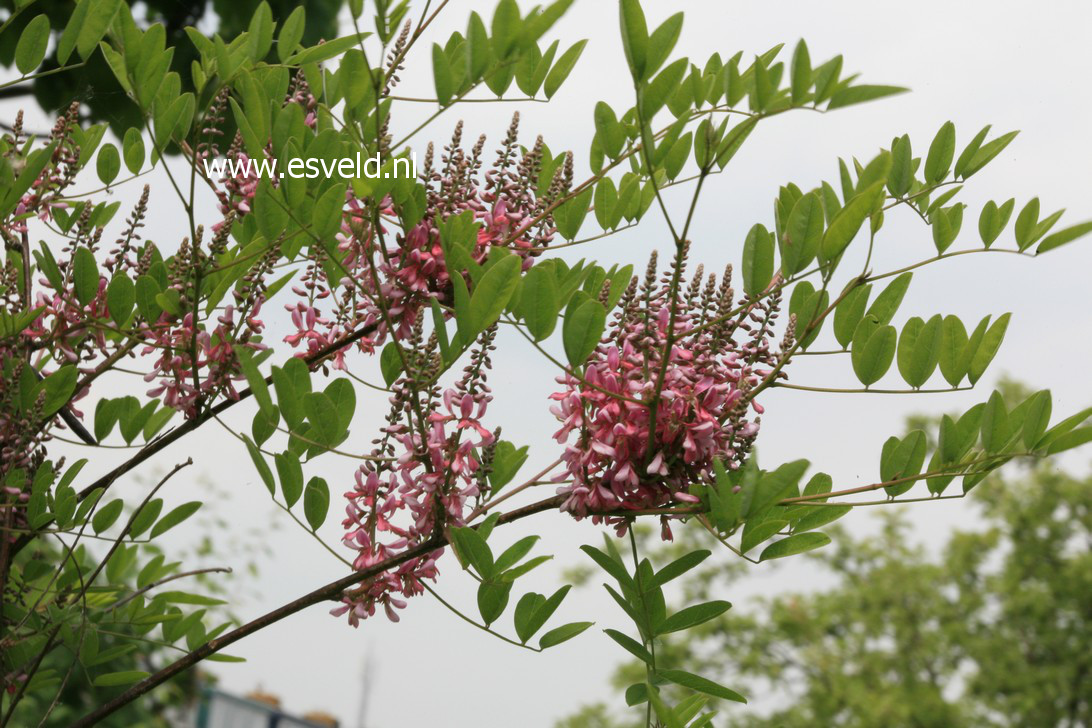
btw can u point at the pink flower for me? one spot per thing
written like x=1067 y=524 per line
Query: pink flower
x=660 y=399
x=416 y=486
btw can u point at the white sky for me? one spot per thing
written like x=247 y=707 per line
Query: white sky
x=1015 y=65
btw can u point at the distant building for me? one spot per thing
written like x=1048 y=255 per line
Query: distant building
x=218 y=709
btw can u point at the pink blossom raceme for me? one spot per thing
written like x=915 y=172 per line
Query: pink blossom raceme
x=662 y=396
x=388 y=276
x=426 y=475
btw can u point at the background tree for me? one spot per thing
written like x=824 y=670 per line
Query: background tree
x=94 y=85
x=991 y=630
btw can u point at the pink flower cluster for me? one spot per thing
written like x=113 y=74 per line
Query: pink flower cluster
x=387 y=280
x=216 y=364
x=433 y=475
x=659 y=400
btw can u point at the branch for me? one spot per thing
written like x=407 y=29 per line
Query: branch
x=330 y=591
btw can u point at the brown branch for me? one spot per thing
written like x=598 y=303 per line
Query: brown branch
x=330 y=591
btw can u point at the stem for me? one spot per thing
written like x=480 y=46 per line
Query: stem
x=165 y=580
x=650 y=642
x=480 y=626
x=865 y=390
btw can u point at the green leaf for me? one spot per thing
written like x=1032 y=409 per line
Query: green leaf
x=819 y=516
x=634 y=36
x=539 y=302
x=291 y=34
x=563 y=633
x=325 y=51
x=316 y=502
x=987 y=152
x=441 y=74
x=472 y=549
x=677 y=568
x=872 y=351
x=1063 y=236
x=1026 y=222
x=919 y=350
x=993 y=219
x=477 y=47
x=987 y=348
x=795 y=544
x=569 y=216
x=661 y=42
x=261 y=465
x=125 y=677
x=1036 y=418
x=609 y=565
x=563 y=68
x=758 y=260
x=290 y=473
x=848 y=313
x=534 y=610
x=85 y=274
x=120 y=298
x=582 y=331
x=847 y=221
x=969 y=152
x=608 y=130
x=145 y=517
x=902 y=459
x=133 y=149
x=801 y=72
x=505 y=27
x=390 y=363
x=996 y=429
x=692 y=616
x=341 y=393
x=631 y=646
x=512 y=555
x=1070 y=440
x=803 y=234
x=507 y=460
x=94 y=25
x=734 y=139
x=31 y=48
x=260 y=31
x=662 y=87
x=174 y=517
x=492 y=293
x=258 y=386
x=887 y=303
x=323 y=416
x=106 y=515
x=58 y=387
x=756 y=531
x=953 y=340
x=492 y=600
x=941 y=153
x=665 y=715
x=901 y=175
x=701 y=684
x=861 y=94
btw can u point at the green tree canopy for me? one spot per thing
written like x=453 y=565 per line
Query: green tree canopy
x=94 y=84
x=991 y=631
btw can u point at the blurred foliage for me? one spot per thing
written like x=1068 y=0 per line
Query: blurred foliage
x=991 y=631
x=115 y=644
x=94 y=85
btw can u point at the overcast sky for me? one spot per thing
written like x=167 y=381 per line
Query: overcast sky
x=1014 y=65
